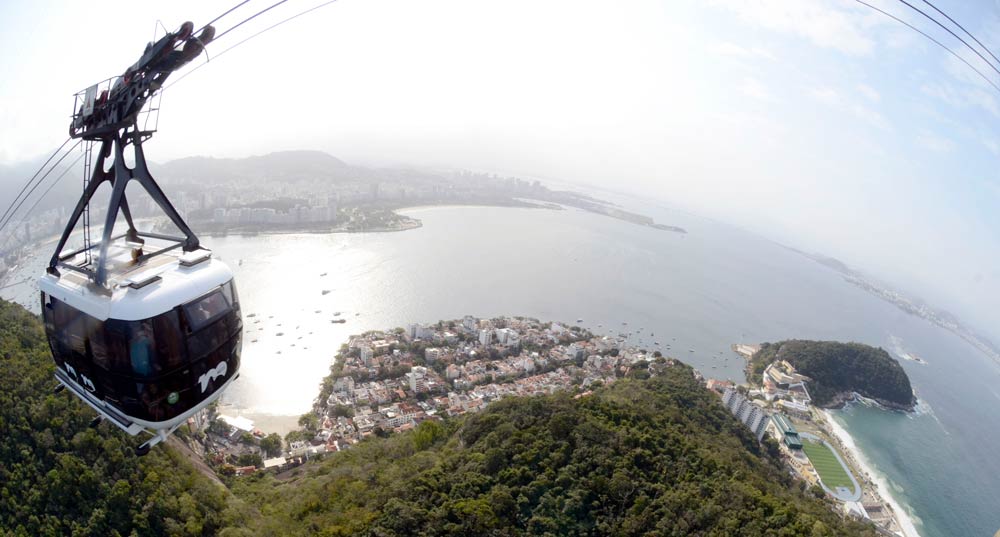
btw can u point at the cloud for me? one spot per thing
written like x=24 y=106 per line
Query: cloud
x=934 y=142
x=826 y=95
x=754 y=88
x=747 y=53
x=869 y=92
x=819 y=22
x=992 y=144
x=962 y=98
x=834 y=99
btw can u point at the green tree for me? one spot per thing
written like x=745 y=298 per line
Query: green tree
x=271 y=444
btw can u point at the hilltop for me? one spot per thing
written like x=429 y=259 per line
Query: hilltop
x=279 y=166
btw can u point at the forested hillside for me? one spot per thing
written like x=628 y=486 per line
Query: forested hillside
x=642 y=457
x=60 y=477
x=838 y=368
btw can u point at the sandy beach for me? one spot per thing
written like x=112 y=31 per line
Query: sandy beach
x=906 y=519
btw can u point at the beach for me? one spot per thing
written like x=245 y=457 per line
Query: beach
x=907 y=520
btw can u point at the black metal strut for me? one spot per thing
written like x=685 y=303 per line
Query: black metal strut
x=119 y=177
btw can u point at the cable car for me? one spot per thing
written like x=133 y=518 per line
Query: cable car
x=144 y=327
x=162 y=345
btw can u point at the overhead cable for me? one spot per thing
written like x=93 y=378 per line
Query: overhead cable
x=38 y=182
x=928 y=36
x=953 y=21
x=269 y=28
x=949 y=30
x=28 y=183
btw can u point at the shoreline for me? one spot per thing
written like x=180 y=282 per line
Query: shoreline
x=879 y=480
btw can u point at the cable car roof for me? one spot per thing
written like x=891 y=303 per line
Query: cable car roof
x=141 y=291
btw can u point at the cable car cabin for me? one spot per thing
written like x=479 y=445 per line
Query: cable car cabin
x=161 y=341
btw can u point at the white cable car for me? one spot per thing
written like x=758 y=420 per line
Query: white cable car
x=163 y=343
x=144 y=327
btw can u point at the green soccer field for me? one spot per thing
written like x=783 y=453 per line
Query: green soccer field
x=831 y=472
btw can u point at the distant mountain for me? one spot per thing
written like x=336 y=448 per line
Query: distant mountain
x=281 y=166
x=64 y=194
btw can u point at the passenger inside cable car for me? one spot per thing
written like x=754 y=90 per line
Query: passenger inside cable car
x=152 y=369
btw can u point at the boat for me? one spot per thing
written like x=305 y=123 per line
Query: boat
x=326 y=291
x=321 y=275
x=579 y=320
x=338 y=321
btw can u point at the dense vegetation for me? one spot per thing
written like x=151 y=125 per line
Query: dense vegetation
x=641 y=457
x=658 y=456
x=60 y=477
x=838 y=368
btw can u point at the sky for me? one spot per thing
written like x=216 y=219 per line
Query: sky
x=818 y=123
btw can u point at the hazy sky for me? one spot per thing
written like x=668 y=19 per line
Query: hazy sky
x=817 y=123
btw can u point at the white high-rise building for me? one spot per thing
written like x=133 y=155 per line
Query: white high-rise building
x=418 y=379
x=366 y=355
x=485 y=337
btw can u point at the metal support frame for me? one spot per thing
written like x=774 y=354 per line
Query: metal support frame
x=119 y=177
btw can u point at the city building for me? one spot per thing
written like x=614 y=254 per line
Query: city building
x=418 y=379
x=366 y=355
x=746 y=411
x=787 y=431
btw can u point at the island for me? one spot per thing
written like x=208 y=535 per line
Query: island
x=838 y=372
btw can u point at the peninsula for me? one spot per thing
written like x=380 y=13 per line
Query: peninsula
x=791 y=386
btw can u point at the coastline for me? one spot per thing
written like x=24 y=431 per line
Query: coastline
x=879 y=481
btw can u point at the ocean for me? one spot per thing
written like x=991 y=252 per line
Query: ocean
x=697 y=293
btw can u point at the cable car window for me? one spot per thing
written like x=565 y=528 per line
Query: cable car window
x=141 y=349
x=203 y=311
x=227 y=291
x=97 y=342
x=169 y=340
x=206 y=341
x=116 y=339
